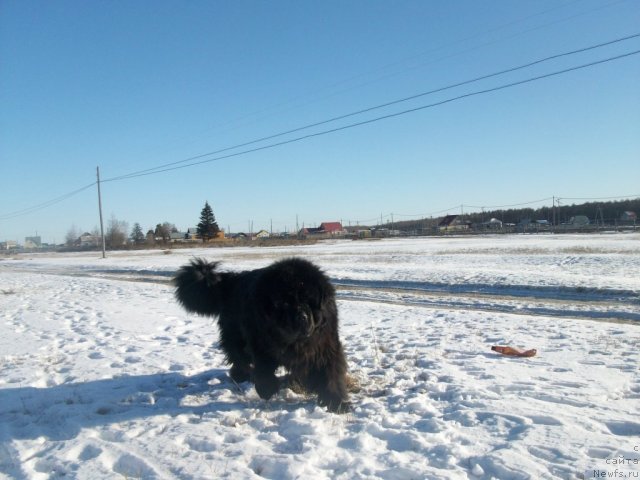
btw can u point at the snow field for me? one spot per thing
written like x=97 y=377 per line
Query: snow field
x=101 y=377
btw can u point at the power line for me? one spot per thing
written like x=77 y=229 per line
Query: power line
x=424 y=216
x=48 y=203
x=400 y=62
x=160 y=168
x=294 y=101
x=600 y=198
x=373 y=120
x=512 y=205
x=473 y=206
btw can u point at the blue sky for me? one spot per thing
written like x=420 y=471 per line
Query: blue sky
x=129 y=86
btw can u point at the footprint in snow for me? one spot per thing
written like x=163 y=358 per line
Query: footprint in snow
x=624 y=429
x=130 y=466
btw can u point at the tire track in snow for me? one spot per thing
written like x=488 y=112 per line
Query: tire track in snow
x=515 y=305
x=618 y=306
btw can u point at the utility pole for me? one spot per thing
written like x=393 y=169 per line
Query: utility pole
x=100 y=209
x=599 y=213
x=558 y=215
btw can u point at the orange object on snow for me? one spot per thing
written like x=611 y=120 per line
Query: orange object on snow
x=513 y=352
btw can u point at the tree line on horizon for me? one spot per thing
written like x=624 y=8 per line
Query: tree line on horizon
x=207 y=228
x=116 y=232
x=608 y=213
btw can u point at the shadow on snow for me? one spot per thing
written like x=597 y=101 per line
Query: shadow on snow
x=60 y=412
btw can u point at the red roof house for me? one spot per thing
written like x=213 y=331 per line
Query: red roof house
x=331 y=227
x=325 y=229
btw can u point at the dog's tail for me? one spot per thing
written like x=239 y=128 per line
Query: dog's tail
x=198 y=287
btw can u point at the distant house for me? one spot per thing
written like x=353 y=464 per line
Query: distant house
x=493 y=224
x=262 y=234
x=178 y=237
x=326 y=229
x=334 y=228
x=87 y=240
x=192 y=234
x=452 y=223
x=8 y=245
x=32 y=242
x=579 y=221
x=524 y=222
x=629 y=217
x=447 y=221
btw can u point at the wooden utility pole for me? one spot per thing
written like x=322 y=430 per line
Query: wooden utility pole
x=100 y=209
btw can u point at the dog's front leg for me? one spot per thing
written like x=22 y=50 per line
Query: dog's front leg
x=331 y=388
x=264 y=377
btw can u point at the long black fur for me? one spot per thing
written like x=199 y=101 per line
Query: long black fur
x=281 y=315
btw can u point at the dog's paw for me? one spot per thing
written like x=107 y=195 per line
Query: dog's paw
x=266 y=386
x=342 y=407
x=336 y=405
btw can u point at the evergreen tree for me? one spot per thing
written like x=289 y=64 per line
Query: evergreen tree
x=207 y=228
x=137 y=236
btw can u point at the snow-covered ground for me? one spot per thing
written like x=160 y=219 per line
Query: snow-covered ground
x=102 y=375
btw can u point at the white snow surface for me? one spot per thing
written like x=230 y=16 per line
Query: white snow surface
x=103 y=375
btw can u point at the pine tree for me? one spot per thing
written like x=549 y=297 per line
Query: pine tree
x=207 y=228
x=136 y=234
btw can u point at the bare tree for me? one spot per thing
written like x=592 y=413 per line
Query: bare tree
x=164 y=231
x=72 y=236
x=116 y=235
x=151 y=238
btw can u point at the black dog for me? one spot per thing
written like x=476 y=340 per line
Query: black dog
x=281 y=315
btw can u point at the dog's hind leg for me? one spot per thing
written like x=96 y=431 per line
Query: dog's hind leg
x=235 y=351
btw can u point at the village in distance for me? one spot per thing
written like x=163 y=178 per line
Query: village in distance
x=582 y=218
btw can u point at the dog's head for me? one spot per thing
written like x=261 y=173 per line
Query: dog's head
x=297 y=298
